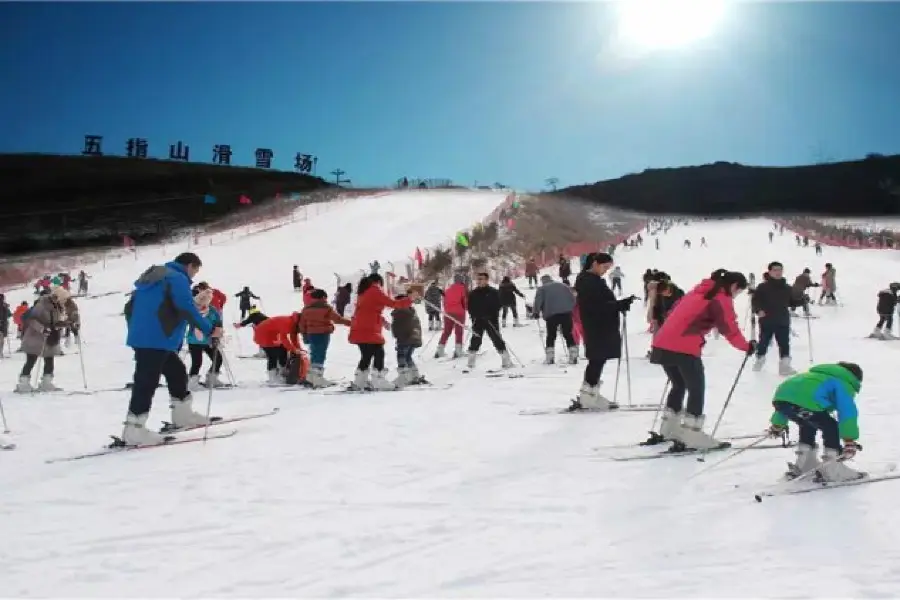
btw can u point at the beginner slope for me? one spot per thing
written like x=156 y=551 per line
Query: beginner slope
x=445 y=493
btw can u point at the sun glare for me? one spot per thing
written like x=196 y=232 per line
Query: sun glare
x=659 y=24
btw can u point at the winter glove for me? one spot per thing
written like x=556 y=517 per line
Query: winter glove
x=851 y=447
x=624 y=305
x=751 y=347
x=776 y=430
x=52 y=337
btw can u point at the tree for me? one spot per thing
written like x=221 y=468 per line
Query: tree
x=552 y=182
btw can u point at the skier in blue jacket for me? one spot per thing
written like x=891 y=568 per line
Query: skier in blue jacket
x=158 y=314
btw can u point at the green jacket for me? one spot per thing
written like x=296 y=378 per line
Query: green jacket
x=824 y=388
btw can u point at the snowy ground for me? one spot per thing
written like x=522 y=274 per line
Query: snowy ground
x=446 y=493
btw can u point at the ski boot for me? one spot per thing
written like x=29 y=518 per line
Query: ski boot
x=784 y=367
x=589 y=398
x=473 y=356
x=194 y=383
x=549 y=356
x=46 y=384
x=458 y=351
x=692 y=437
x=361 y=381
x=441 y=351
x=316 y=377
x=183 y=414
x=573 y=355
x=380 y=382
x=136 y=433
x=416 y=378
x=876 y=334
x=834 y=470
x=505 y=360
x=807 y=461
x=759 y=364
x=275 y=377
x=213 y=381
x=24 y=385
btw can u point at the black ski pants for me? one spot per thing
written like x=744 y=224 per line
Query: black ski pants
x=885 y=321
x=197 y=351
x=616 y=284
x=593 y=371
x=779 y=331
x=510 y=307
x=149 y=365
x=561 y=321
x=276 y=357
x=811 y=422
x=31 y=360
x=532 y=280
x=371 y=353
x=489 y=327
x=686 y=376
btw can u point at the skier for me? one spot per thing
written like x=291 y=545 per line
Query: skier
x=818 y=248
x=297 y=278
x=808 y=399
x=254 y=318
x=158 y=313
x=434 y=301
x=554 y=301
x=82 y=283
x=455 y=307
x=18 y=320
x=678 y=346
x=829 y=285
x=703 y=242
x=307 y=289
x=771 y=303
x=771 y=236
x=887 y=302
x=199 y=344
x=565 y=269
x=508 y=292
x=483 y=304
x=244 y=303
x=73 y=323
x=374 y=267
x=600 y=317
x=802 y=283
x=43 y=326
x=277 y=336
x=615 y=280
x=342 y=298
x=317 y=321
x=5 y=314
x=365 y=331
x=407 y=331
x=531 y=272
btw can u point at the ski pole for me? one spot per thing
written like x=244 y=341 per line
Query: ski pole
x=81 y=360
x=737 y=378
x=3 y=417
x=656 y=438
x=809 y=337
x=627 y=357
x=227 y=364
x=209 y=397
x=737 y=452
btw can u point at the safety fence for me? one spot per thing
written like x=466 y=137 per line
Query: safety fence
x=844 y=237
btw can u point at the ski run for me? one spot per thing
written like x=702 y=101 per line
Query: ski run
x=446 y=489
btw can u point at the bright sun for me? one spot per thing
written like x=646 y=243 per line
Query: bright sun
x=658 y=24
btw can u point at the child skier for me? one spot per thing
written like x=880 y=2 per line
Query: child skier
x=887 y=302
x=407 y=330
x=808 y=399
x=316 y=326
x=434 y=299
x=508 y=292
x=199 y=344
x=244 y=296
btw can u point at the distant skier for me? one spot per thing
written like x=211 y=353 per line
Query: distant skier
x=808 y=399
x=565 y=269
x=802 y=283
x=483 y=304
x=771 y=304
x=829 y=285
x=703 y=242
x=455 y=308
x=615 y=280
x=434 y=302
x=374 y=267
x=771 y=236
x=244 y=303
x=297 y=278
x=82 y=283
x=818 y=247
x=508 y=292
x=531 y=272
x=554 y=301
x=887 y=303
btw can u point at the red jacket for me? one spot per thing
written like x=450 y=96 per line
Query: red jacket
x=694 y=316
x=367 y=323
x=218 y=300
x=455 y=299
x=278 y=331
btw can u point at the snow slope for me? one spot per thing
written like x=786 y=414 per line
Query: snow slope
x=449 y=493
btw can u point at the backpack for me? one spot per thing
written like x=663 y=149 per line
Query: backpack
x=27 y=314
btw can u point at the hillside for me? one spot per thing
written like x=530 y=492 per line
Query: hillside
x=52 y=201
x=870 y=186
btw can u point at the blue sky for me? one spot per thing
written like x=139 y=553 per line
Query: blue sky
x=501 y=91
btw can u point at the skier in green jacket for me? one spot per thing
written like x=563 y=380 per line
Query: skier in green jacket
x=808 y=399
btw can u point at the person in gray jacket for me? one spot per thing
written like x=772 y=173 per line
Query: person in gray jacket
x=554 y=301
x=43 y=329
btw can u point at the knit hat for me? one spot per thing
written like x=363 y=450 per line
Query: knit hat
x=601 y=258
x=203 y=297
x=853 y=368
x=459 y=278
x=60 y=294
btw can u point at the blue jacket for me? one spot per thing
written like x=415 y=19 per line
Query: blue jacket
x=214 y=319
x=160 y=309
x=824 y=388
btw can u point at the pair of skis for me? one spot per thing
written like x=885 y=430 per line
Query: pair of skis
x=589 y=411
x=410 y=388
x=171 y=439
x=805 y=485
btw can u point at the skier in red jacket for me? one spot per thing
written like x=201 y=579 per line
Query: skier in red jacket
x=677 y=347
x=455 y=308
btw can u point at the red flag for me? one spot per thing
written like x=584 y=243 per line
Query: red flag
x=418 y=257
x=245 y=200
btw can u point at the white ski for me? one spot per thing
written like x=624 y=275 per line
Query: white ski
x=809 y=485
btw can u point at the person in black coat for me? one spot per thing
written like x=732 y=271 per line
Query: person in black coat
x=887 y=303
x=244 y=303
x=601 y=322
x=565 y=269
x=771 y=303
x=484 y=309
x=297 y=278
x=342 y=298
x=508 y=292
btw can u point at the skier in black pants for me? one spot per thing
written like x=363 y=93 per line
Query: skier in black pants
x=244 y=303
x=555 y=302
x=601 y=322
x=484 y=309
x=771 y=302
x=565 y=269
x=508 y=292
x=297 y=278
